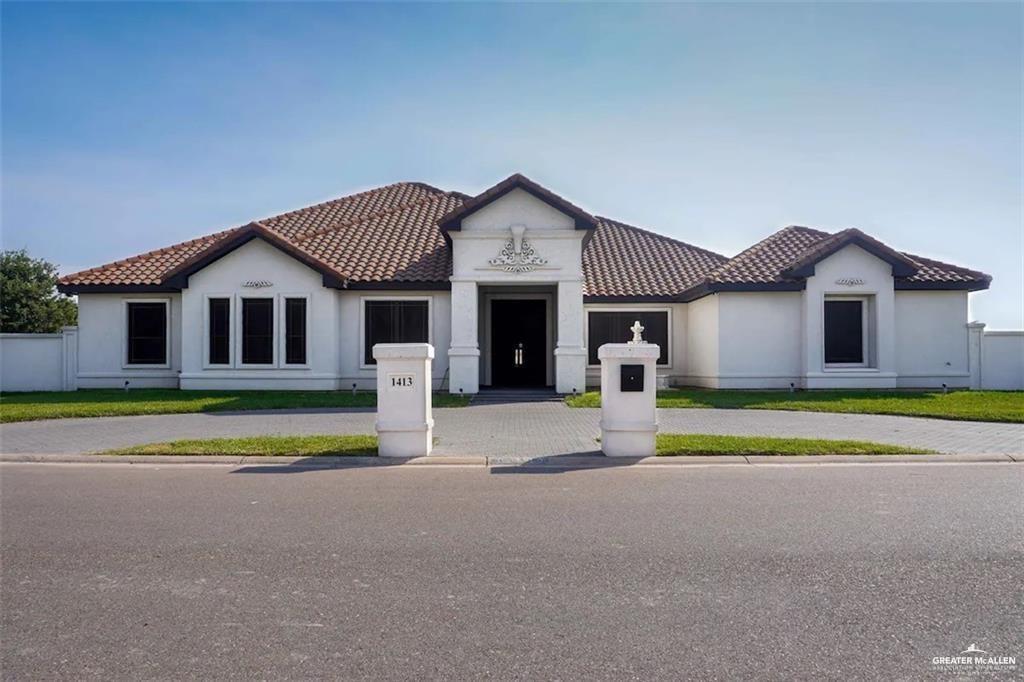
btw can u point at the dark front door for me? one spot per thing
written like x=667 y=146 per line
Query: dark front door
x=518 y=343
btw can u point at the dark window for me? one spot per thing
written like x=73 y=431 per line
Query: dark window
x=147 y=333
x=295 y=331
x=394 y=322
x=220 y=331
x=844 y=332
x=614 y=327
x=257 y=331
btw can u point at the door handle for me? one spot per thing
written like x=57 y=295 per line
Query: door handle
x=518 y=357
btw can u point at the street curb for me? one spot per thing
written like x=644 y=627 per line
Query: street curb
x=507 y=463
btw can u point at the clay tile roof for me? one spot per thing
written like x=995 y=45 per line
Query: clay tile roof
x=622 y=260
x=786 y=256
x=764 y=262
x=393 y=235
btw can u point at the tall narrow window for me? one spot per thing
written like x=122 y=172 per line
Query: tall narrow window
x=844 y=332
x=257 y=331
x=394 y=322
x=614 y=327
x=147 y=333
x=220 y=331
x=295 y=331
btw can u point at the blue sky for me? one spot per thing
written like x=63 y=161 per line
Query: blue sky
x=127 y=127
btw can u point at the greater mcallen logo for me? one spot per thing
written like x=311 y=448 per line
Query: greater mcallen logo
x=974 y=660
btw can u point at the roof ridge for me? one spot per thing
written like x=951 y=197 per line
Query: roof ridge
x=372 y=216
x=789 y=228
x=364 y=193
x=155 y=252
x=662 y=236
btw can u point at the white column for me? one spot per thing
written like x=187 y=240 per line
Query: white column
x=405 y=421
x=570 y=353
x=464 y=354
x=629 y=422
x=69 y=358
x=975 y=337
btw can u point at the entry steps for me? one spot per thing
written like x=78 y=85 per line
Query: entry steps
x=491 y=396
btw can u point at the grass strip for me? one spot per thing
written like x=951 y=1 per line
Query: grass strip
x=677 y=444
x=988 y=406
x=256 y=446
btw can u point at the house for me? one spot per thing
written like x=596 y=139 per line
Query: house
x=515 y=287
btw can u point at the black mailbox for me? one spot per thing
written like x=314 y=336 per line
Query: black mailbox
x=631 y=380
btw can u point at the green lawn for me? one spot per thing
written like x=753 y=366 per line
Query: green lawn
x=17 y=407
x=989 y=406
x=288 y=446
x=671 y=444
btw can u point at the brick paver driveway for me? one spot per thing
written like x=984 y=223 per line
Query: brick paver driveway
x=511 y=430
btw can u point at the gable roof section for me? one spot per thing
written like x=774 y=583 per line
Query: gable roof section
x=453 y=221
x=783 y=260
x=804 y=266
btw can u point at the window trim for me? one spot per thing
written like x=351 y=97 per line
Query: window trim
x=124 y=334
x=283 y=327
x=232 y=335
x=240 y=326
x=865 y=332
x=362 y=322
x=622 y=309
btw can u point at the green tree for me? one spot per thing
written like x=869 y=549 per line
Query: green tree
x=29 y=302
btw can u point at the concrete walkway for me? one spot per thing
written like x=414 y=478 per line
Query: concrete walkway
x=524 y=430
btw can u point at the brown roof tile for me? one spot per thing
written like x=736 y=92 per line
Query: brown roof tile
x=391 y=235
x=622 y=260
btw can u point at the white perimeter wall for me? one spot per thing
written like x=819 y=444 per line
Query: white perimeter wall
x=32 y=362
x=1002 y=360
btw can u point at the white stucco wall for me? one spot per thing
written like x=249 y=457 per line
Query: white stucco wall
x=518 y=207
x=702 y=342
x=875 y=275
x=102 y=337
x=931 y=339
x=1002 y=361
x=224 y=278
x=759 y=342
x=31 y=362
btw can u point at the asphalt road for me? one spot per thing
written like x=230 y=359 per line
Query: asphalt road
x=785 y=572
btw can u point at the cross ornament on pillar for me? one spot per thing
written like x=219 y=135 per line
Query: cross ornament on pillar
x=637 y=330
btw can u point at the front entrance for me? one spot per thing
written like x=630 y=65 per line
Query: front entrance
x=518 y=342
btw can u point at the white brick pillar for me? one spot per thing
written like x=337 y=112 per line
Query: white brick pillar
x=571 y=352
x=975 y=337
x=464 y=354
x=405 y=420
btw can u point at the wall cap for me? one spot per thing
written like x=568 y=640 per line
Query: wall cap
x=403 y=351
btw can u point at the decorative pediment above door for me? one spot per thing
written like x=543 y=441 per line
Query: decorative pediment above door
x=518 y=254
